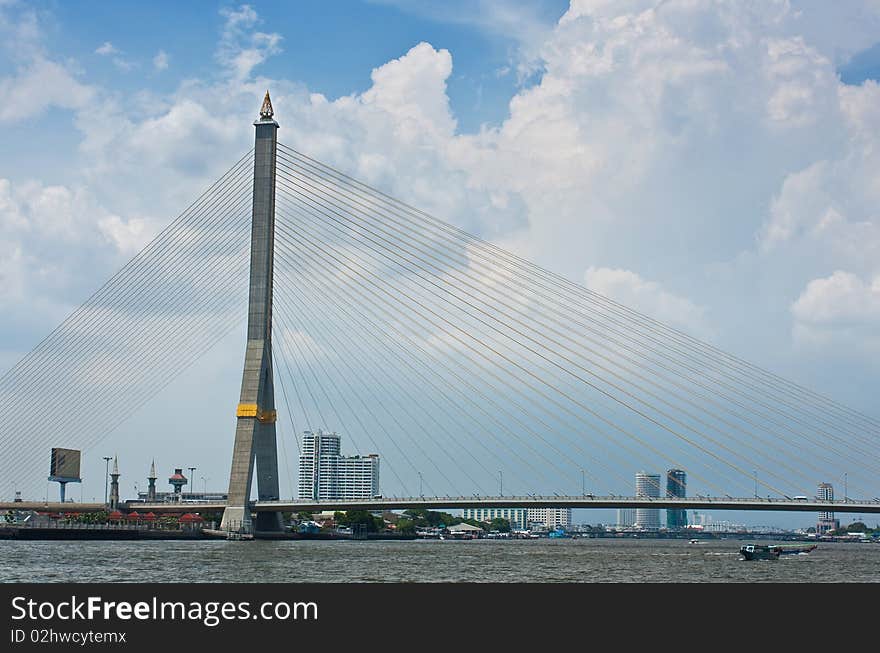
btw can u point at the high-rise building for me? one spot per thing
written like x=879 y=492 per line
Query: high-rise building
x=324 y=473
x=647 y=486
x=552 y=518
x=676 y=487
x=827 y=522
x=357 y=477
x=626 y=517
x=317 y=465
x=516 y=516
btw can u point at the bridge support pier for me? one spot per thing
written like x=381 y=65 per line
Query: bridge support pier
x=255 y=443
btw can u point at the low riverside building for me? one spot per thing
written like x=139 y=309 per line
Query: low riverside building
x=550 y=518
x=523 y=518
x=516 y=516
x=465 y=531
x=185 y=497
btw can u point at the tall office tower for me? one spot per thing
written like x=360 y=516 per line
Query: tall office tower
x=626 y=517
x=676 y=487
x=324 y=473
x=552 y=518
x=516 y=516
x=827 y=522
x=647 y=486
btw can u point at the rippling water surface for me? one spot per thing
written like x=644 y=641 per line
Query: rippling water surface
x=581 y=560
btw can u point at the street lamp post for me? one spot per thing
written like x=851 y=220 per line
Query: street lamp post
x=204 y=488
x=420 y=485
x=845 y=493
x=191 y=470
x=583 y=485
x=500 y=483
x=106 y=476
x=756 y=483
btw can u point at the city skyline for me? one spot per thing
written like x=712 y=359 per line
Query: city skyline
x=807 y=304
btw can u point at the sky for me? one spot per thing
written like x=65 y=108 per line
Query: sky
x=712 y=164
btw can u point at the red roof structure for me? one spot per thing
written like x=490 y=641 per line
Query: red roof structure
x=115 y=516
x=150 y=516
x=133 y=516
x=190 y=518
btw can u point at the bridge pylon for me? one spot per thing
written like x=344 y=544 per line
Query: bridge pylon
x=255 y=443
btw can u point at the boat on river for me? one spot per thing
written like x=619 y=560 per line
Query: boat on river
x=772 y=551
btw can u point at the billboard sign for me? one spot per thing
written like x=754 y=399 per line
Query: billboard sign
x=64 y=466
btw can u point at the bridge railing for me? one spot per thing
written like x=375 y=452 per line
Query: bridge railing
x=564 y=497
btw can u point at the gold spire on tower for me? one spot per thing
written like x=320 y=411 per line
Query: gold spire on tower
x=266 y=112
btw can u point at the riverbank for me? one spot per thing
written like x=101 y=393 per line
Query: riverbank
x=36 y=533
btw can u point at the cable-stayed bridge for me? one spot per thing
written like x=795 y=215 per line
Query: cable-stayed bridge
x=460 y=364
x=449 y=502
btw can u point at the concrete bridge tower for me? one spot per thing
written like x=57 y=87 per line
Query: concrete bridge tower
x=255 y=444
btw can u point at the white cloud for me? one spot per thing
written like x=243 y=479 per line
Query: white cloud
x=123 y=64
x=673 y=138
x=106 y=49
x=12 y=274
x=35 y=82
x=647 y=297
x=129 y=236
x=411 y=91
x=241 y=48
x=637 y=144
x=840 y=299
x=38 y=86
x=160 y=61
x=826 y=215
x=522 y=23
x=841 y=310
x=49 y=234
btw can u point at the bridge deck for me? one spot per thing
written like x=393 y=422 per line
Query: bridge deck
x=435 y=503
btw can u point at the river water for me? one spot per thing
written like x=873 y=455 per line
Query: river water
x=563 y=561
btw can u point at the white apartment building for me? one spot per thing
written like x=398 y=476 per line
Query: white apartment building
x=325 y=474
x=626 y=517
x=552 y=518
x=516 y=516
x=647 y=486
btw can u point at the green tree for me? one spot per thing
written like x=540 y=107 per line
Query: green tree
x=431 y=518
x=359 y=521
x=405 y=526
x=500 y=524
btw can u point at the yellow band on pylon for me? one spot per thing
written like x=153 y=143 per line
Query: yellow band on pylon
x=247 y=410
x=252 y=410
